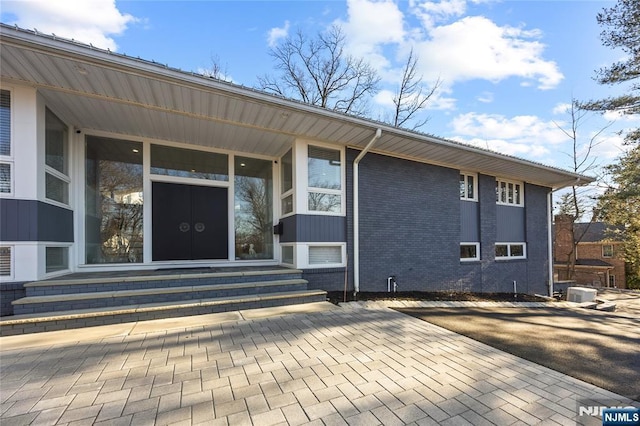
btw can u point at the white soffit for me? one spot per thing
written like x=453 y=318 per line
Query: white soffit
x=94 y=89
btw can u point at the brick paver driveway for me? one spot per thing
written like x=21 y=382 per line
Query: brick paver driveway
x=333 y=365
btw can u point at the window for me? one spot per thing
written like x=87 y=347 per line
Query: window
x=178 y=162
x=57 y=259
x=6 y=262
x=324 y=180
x=468 y=187
x=287 y=255
x=469 y=252
x=612 y=280
x=509 y=193
x=6 y=163
x=607 y=250
x=286 y=183
x=511 y=251
x=114 y=201
x=56 y=159
x=253 y=208
x=322 y=255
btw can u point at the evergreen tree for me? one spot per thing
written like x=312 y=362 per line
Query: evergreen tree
x=620 y=205
x=621 y=31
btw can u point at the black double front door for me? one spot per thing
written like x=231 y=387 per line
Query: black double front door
x=189 y=222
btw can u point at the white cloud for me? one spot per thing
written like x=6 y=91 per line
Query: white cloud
x=619 y=116
x=431 y=12
x=520 y=130
x=485 y=97
x=561 y=108
x=456 y=48
x=477 y=48
x=93 y=22
x=506 y=147
x=276 y=34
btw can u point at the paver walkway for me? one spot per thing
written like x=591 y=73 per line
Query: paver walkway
x=324 y=365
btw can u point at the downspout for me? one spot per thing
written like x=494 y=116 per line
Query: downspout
x=356 y=213
x=550 y=239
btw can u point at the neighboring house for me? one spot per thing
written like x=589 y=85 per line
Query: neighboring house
x=111 y=163
x=598 y=255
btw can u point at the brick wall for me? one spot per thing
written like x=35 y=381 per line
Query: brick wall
x=410 y=228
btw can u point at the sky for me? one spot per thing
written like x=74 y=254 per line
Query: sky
x=507 y=69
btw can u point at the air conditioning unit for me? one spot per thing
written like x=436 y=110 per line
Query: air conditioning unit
x=581 y=294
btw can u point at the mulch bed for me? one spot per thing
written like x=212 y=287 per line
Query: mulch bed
x=339 y=296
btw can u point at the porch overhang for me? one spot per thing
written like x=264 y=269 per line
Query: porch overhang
x=97 y=90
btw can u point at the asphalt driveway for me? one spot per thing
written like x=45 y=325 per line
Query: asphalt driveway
x=600 y=348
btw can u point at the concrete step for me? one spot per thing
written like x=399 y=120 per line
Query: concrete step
x=36 y=323
x=57 y=302
x=97 y=282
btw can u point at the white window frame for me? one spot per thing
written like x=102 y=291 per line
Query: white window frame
x=12 y=256
x=48 y=170
x=310 y=189
x=509 y=256
x=61 y=271
x=301 y=255
x=603 y=254
x=9 y=159
x=612 y=281
x=291 y=191
x=471 y=259
x=499 y=182
x=465 y=196
x=293 y=246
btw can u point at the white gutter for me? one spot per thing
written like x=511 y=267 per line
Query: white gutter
x=550 y=239
x=356 y=212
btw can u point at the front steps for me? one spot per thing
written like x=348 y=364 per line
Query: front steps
x=89 y=301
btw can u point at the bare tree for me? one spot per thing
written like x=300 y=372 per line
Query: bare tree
x=412 y=95
x=319 y=72
x=574 y=204
x=217 y=70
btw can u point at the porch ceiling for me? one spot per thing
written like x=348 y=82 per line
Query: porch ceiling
x=93 y=89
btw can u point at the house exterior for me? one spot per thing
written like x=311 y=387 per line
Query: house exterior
x=598 y=255
x=110 y=163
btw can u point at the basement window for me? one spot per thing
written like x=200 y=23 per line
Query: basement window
x=511 y=251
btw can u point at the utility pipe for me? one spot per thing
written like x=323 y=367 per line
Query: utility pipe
x=356 y=212
x=550 y=239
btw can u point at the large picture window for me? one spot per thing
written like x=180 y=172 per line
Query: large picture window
x=324 y=180
x=253 y=208
x=113 y=197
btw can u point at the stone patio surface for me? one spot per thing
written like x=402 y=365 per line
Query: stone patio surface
x=308 y=364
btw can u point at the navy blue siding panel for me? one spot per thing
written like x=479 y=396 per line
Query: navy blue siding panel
x=289 y=230
x=469 y=221
x=510 y=222
x=313 y=228
x=31 y=220
x=54 y=223
x=537 y=238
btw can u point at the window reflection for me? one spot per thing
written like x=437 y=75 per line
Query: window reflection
x=113 y=197
x=253 y=208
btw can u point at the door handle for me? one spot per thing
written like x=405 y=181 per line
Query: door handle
x=184 y=227
x=199 y=227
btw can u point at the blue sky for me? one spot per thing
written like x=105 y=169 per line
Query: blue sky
x=507 y=67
